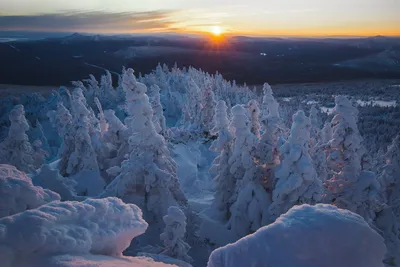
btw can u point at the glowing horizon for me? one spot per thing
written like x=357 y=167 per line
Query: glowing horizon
x=297 y=18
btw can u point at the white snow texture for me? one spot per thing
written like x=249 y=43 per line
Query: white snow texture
x=307 y=236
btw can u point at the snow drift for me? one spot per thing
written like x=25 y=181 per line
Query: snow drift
x=307 y=236
x=96 y=226
x=17 y=193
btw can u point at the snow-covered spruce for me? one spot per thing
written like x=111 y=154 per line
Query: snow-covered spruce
x=350 y=187
x=296 y=178
x=158 y=113
x=16 y=149
x=255 y=112
x=208 y=108
x=319 y=154
x=78 y=157
x=299 y=238
x=388 y=220
x=224 y=180
x=51 y=179
x=17 y=193
x=315 y=126
x=94 y=226
x=250 y=208
x=148 y=177
x=174 y=235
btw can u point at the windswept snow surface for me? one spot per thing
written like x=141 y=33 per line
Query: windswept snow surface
x=94 y=226
x=307 y=236
x=17 y=193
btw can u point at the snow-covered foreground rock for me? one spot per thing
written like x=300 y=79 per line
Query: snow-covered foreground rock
x=307 y=236
x=94 y=226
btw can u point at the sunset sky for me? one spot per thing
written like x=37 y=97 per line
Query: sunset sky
x=250 y=17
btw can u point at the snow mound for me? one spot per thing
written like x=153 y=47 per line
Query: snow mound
x=307 y=236
x=98 y=226
x=95 y=261
x=17 y=193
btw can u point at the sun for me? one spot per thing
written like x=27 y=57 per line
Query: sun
x=216 y=30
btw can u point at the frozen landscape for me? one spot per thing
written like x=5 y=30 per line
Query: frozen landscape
x=179 y=167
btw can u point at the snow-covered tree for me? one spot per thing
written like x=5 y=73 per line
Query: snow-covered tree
x=315 y=125
x=267 y=153
x=173 y=236
x=319 y=154
x=148 y=177
x=39 y=155
x=255 y=112
x=250 y=208
x=350 y=187
x=16 y=149
x=158 y=116
x=390 y=177
x=224 y=181
x=208 y=108
x=296 y=179
x=78 y=157
x=51 y=179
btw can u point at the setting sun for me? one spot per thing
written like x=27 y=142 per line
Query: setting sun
x=216 y=30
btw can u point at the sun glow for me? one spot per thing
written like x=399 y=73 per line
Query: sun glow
x=216 y=30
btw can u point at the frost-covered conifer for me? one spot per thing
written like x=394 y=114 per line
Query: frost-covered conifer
x=115 y=133
x=250 y=208
x=174 y=235
x=315 y=126
x=350 y=187
x=319 y=154
x=158 y=116
x=224 y=181
x=296 y=179
x=267 y=153
x=78 y=157
x=16 y=149
x=51 y=179
x=208 y=108
x=254 y=111
x=148 y=177
x=39 y=155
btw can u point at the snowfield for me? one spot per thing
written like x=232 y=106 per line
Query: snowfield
x=179 y=167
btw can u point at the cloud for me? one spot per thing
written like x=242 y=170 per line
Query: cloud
x=93 y=21
x=282 y=11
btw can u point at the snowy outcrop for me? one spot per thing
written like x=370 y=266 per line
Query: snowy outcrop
x=250 y=208
x=51 y=179
x=94 y=226
x=148 y=177
x=224 y=180
x=17 y=193
x=296 y=178
x=16 y=149
x=174 y=235
x=307 y=236
x=350 y=187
